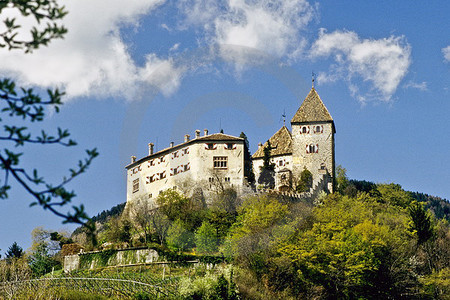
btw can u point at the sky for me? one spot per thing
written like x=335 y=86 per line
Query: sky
x=155 y=70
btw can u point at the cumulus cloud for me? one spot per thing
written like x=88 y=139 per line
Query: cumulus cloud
x=382 y=63
x=93 y=60
x=237 y=27
x=446 y=52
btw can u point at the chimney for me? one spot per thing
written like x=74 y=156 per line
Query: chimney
x=205 y=131
x=150 y=148
x=171 y=144
x=186 y=138
x=260 y=145
x=197 y=134
x=133 y=159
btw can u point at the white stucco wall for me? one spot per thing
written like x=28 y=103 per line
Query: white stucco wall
x=194 y=165
x=281 y=162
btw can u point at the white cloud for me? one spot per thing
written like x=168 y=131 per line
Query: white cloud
x=383 y=63
x=423 y=86
x=92 y=59
x=245 y=29
x=161 y=74
x=199 y=12
x=446 y=52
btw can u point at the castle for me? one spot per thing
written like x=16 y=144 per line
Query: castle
x=209 y=159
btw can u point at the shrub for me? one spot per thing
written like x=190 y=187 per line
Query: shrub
x=305 y=182
x=205 y=238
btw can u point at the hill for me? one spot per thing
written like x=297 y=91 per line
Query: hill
x=366 y=241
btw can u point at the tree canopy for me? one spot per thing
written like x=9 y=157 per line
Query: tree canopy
x=23 y=107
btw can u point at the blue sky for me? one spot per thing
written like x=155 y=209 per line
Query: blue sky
x=152 y=71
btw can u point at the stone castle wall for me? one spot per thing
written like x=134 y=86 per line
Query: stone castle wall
x=313 y=148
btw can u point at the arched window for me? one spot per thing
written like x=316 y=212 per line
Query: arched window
x=313 y=148
x=304 y=129
x=318 y=129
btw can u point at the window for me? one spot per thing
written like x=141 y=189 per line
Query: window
x=318 y=129
x=149 y=195
x=135 y=185
x=162 y=175
x=150 y=179
x=227 y=179
x=137 y=169
x=210 y=146
x=187 y=167
x=230 y=146
x=220 y=162
x=211 y=179
x=304 y=129
x=312 y=148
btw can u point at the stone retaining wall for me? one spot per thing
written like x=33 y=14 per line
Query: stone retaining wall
x=99 y=259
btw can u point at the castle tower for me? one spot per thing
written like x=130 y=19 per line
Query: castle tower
x=313 y=141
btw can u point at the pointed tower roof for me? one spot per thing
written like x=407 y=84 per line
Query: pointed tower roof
x=281 y=143
x=312 y=110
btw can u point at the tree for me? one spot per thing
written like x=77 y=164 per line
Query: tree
x=61 y=238
x=223 y=211
x=267 y=175
x=394 y=194
x=14 y=270
x=119 y=230
x=21 y=106
x=177 y=206
x=41 y=236
x=305 y=182
x=341 y=179
x=160 y=224
x=41 y=262
x=171 y=203
x=355 y=248
x=421 y=223
x=248 y=165
x=178 y=237
x=206 y=239
x=141 y=213
x=14 y=251
x=250 y=237
x=267 y=164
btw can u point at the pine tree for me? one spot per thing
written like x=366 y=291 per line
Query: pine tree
x=14 y=251
x=248 y=165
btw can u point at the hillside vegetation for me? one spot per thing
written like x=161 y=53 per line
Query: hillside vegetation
x=366 y=241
